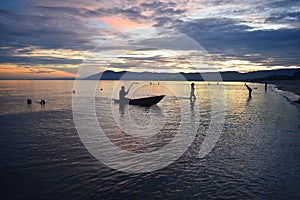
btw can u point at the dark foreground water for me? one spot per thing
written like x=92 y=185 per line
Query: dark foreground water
x=256 y=157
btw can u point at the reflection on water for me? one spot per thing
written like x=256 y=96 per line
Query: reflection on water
x=122 y=109
x=248 y=100
x=42 y=157
x=14 y=94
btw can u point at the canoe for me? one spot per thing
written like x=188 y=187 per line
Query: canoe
x=146 y=101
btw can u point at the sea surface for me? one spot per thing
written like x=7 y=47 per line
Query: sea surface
x=43 y=154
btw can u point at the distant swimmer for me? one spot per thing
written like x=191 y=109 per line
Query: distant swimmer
x=43 y=102
x=249 y=89
x=29 y=101
x=192 y=94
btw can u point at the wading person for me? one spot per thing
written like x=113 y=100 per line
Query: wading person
x=249 y=89
x=266 y=85
x=192 y=94
x=122 y=95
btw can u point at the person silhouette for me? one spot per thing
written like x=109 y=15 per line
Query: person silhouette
x=122 y=95
x=249 y=89
x=43 y=102
x=266 y=85
x=192 y=94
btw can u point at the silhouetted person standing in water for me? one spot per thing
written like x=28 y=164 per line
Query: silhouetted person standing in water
x=266 y=85
x=122 y=95
x=249 y=89
x=192 y=94
x=43 y=102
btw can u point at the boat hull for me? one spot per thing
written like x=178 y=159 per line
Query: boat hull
x=146 y=101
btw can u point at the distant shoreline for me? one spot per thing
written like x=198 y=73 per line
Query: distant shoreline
x=287 y=85
x=279 y=74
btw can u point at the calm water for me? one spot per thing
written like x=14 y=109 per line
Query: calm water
x=42 y=156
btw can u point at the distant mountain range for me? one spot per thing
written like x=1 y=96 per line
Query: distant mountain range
x=281 y=74
x=209 y=76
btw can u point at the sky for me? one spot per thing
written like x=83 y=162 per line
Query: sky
x=47 y=39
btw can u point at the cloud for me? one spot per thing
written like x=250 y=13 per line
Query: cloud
x=31 y=56
x=231 y=29
x=44 y=31
x=286 y=17
x=229 y=37
x=38 y=60
x=41 y=71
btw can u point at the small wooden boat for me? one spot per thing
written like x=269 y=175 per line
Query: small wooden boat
x=146 y=101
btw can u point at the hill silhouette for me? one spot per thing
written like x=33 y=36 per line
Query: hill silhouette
x=211 y=76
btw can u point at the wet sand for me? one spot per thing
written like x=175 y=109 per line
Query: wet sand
x=288 y=85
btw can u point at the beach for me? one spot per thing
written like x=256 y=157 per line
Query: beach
x=288 y=85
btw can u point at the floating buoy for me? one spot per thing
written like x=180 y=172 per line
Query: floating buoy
x=29 y=101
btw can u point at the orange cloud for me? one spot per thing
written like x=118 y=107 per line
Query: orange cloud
x=121 y=24
x=14 y=72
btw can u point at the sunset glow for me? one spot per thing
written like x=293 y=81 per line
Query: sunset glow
x=53 y=39
x=16 y=72
x=121 y=24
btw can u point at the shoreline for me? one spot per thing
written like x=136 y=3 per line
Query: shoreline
x=288 y=85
